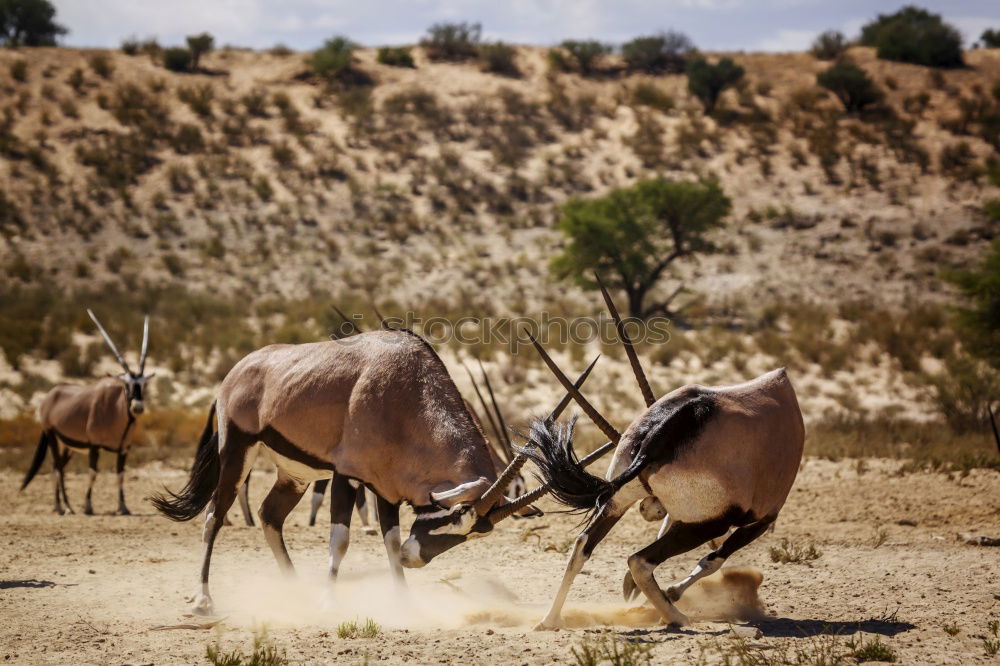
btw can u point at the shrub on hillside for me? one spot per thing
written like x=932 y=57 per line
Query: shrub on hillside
x=852 y=86
x=333 y=59
x=499 y=58
x=19 y=70
x=199 y=45
x=131 y=46
x=396 y=56
x=665 y=52
x=916 y=36
x=178 y=59
x=707 y=81
x=829 y=45
x=101 y=64
x=582 y=56
x=990 y=38
x=452 y=41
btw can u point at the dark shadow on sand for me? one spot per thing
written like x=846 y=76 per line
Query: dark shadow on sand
x=790 y=628
x=31 y=582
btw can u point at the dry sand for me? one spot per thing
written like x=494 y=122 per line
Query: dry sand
x=86 y=590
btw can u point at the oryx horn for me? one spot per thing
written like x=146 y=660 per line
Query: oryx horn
x=107 y=338
x=501 y=424
x=993 y=422
x=594 y=415
x=486 y=409
x=633 y=359
x=494 y=492
x=145 y=345
x=357 y=329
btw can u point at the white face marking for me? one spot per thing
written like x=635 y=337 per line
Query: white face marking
x=442 y=512
x=464 y=525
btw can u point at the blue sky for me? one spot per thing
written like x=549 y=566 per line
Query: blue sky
x=751 y=25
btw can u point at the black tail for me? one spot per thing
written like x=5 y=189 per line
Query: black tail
x=560 y=468
x=36 y=462
x=201 y=485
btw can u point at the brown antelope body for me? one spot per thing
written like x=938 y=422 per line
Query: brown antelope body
x=709 y=458
x=91 y=418
x=378 y=408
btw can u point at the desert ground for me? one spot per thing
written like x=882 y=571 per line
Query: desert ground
x=93 y=590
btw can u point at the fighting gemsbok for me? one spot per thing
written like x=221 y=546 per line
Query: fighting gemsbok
x=379 y=408
x=710 y=458
x=91 y=418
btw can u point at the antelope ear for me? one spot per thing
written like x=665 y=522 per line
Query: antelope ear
x=463 y=493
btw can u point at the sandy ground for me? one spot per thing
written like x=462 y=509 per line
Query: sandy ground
x=88 y=590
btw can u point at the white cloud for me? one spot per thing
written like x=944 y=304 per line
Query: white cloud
x=787 y=40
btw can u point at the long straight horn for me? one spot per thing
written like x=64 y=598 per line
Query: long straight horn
x=633 y=359
x=501 y=424
x=482 y=402
x=554 y=414
x=107 y=338
x=490 y=497
x=145 y=345
x=357 y=329
x=993 y=422
x=509 y=509
x=594 y=415
x=381 y=319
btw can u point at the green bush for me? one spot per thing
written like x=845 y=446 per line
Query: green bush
x=499 y=58
x=452 y=41
x=178 y=59
x=829 y=45
x=28 y=23
x=131 y=46
x=915 y=36
x=396 y=56
x=646 y=94
x=199 y=45
x=334 y=58
x=979 y=320
x=665 y=52
x=707 y=81
x=582 y=55
x=990 y=38
x=852 y=86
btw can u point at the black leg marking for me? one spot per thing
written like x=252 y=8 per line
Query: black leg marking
x=93 y=454
x=341 y=511
x=388 y=520
x=120 y=469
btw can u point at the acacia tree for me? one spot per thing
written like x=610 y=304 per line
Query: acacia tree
x=979 y=320
x=199 y=45
x=707 y=81
x=634 y=235
x=28 y=23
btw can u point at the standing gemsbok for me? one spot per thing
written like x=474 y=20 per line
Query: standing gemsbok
x=379 y=408
x=91 y=418
x=712 y=458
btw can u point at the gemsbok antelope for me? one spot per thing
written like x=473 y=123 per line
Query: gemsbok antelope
x=91 y=418
x=364 y=500
x=710 y=458
x=379 y=408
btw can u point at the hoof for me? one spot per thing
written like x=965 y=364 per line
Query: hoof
x=203 y=605
x=548 y=625
x=677 y=618
x=123 y=511
x=88 y=511
x=672 y=593
x=629 y=589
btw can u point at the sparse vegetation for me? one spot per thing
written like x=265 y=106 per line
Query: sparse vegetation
x=611 y=650
x=791 y=552
x=355 y=629
x=199 y=45
x=583 y=56
x=333 y=60
x=101 y=64
x=178 y=59
x=499 y=58
x=18 y=70
x=263 y=653
x=871 y=650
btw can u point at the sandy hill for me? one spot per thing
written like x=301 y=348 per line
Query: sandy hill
x=236 y=203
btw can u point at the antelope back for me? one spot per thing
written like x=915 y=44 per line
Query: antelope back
x=379 y=406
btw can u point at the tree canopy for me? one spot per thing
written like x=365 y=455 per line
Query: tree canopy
x=707 y=81
x=979 y=319
x=916 y=36
x=632 y=236
x=28 y=23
